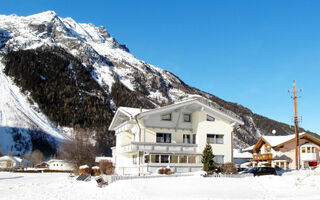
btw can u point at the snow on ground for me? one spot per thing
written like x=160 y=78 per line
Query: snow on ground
x=291 y=186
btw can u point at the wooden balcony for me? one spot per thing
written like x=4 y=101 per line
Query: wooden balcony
x=263 y=156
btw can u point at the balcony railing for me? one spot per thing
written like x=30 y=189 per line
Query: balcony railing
x=308 y=156
x=159 y=147
x=263 y=156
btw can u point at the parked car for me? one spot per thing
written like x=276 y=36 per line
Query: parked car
x=259 y=171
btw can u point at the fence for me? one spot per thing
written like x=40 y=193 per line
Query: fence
x=113 y=178
x=230 y=175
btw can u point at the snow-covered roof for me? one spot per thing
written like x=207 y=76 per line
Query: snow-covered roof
x=100 y=158
x=238 y=154
x=276 y=140
x=194 y=101
x=248 y=148
x=83 y=167
x=56 y=160
x=131 y=113
x=13 y=158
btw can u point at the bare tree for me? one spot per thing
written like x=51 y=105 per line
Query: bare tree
x=10 y=153
x=35 y=157
x=1 y=152
x=79 y=150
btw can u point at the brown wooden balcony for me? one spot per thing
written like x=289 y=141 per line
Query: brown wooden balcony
x=262 y=156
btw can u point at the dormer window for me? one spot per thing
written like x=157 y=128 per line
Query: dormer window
x=187 y=117
x=166 y=117
x=210 y=118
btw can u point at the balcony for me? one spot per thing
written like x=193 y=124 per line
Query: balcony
x=159 y=147
x=308 y=156
x=263 y=156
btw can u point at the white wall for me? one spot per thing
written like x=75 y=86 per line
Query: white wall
x=60 y=165
x=202 y=127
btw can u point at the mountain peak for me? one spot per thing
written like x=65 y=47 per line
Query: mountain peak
x=45 y=13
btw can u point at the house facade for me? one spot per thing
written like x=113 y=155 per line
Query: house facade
x=62 y=165
x=280 y=151
x=173 y=136
x=12 y=162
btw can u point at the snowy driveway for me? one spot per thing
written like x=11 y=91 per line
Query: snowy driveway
x=59 y=186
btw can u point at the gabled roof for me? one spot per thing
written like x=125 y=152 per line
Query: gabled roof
x=57 y=160
x=282 y=157
x=277 y=141
x=238 y=154
x=132 y=113
x=13 y=158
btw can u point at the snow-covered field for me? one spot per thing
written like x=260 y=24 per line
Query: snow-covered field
x=302 y=185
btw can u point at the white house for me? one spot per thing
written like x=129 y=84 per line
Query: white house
x=11 y=162
x=173 y=135
x=63 y=165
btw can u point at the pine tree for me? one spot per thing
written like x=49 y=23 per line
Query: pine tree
x=207 y=160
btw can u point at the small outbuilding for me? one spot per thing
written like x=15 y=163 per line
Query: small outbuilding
x=62 y=165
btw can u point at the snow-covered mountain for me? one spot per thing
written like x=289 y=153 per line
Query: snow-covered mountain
x=109 y=63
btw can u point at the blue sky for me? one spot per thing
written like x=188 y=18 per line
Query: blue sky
x=247 y=52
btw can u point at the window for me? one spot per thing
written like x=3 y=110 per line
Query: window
x=157 y=159
x=153 y=159
x=163 y=138
x=146 y=158
x=174 y=159
x=308 y=149
x=166 y=117
x=134 y=159
x=210 y=118
x=191 y=159
x=313 y=149
x=186 y=139
x=214 y=139
x=182 y=159
x=218 y=159
x=164 y=158
x=303 y=150
x=187 y=117
x=194 y=139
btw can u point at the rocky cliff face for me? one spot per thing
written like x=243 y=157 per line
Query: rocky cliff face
x=93 y=68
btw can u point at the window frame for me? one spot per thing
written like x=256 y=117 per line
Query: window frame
x=194 y=138
x=184 y=119
x=170 y=136
x=134 y=159
x=213 y=119
x=185 y=136
x=215 y=141
x=169 y=114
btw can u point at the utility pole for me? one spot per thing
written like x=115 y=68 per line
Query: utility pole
x=296 y=125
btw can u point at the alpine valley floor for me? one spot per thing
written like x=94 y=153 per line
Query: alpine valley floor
x=293 y=185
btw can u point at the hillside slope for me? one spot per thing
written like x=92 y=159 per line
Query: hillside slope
x=57 y=73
